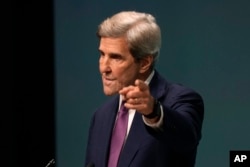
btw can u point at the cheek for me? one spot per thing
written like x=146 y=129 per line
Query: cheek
x=127 y=76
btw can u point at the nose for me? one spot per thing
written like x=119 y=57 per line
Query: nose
x=104 y=65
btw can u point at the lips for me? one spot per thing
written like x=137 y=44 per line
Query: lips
x=107 y=81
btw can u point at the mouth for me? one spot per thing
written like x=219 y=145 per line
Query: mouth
x=107 y=81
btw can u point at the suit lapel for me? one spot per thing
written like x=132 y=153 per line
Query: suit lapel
x=133 y=142
x=157 y=86
x=109 y=115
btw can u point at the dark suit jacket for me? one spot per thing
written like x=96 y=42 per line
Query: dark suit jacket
x=174 y=145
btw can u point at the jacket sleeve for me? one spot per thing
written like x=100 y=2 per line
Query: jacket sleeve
x=182 y=121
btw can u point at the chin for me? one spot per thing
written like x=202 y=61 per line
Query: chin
x=109 y=93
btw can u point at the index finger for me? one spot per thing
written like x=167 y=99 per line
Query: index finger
x=125 y=90
x=141 y=84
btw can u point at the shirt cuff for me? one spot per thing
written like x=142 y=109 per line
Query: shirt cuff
x=158 y=124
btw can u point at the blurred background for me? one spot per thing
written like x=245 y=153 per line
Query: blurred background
x=205 y=45
x=57 y=86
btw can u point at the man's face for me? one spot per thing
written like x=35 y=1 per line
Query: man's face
x=117 y=66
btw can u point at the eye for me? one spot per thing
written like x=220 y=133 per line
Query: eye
x=116 y=56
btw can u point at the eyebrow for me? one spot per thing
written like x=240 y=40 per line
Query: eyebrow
x=100 y=51
x=111 y=54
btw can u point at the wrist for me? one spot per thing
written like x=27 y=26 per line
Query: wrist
x=156 y=111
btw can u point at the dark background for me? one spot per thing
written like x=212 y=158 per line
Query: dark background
x=56 y=84
x=205 y=45
x=29 y=131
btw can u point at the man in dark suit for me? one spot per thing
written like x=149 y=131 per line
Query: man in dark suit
x=162 y=121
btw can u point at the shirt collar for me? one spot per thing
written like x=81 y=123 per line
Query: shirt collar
x=150 y=77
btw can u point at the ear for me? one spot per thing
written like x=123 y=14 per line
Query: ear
x=146 y=63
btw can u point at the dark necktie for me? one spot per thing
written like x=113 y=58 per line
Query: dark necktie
x=118 y=136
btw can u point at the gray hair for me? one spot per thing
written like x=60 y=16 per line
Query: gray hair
x=140 y=29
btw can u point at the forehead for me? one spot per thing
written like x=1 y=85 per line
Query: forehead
x=116 y=45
